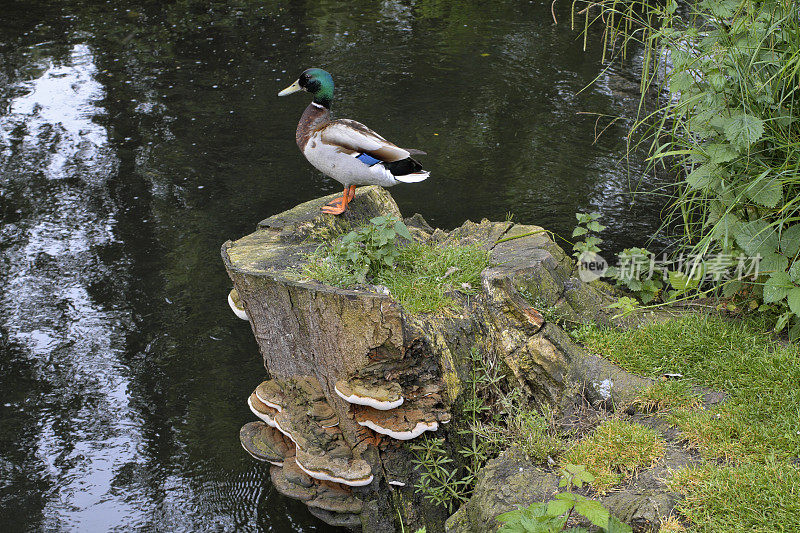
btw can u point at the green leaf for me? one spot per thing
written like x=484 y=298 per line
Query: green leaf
x=402 y=230
x=510 y=515
x=681 y=282
x=782 y=321
x=767 y=192
x=794 y=272
x=794 y=300
x=794 y=331
x=535 y=509
x=721 y=8
x=720 y=152
x=578 y=231
x=777 y=287
x=702 y=176
x=580 y=473
x=680 y=81
x=717 y=80
x=593 y=241
x=595 y=226
x=790 y=240
x=559 y=507
x=727 y=226
x=773 y=262
x=757 y=237
x=743 y=129
x=594 y=511
x=615 y=525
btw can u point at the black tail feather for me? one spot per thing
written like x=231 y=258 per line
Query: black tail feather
x=404 y=166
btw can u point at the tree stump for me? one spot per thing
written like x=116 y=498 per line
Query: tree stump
x=377 y=352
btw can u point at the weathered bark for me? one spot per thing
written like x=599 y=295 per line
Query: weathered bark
x=305 y=328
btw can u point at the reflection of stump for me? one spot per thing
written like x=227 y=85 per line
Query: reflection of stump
x=378 y=353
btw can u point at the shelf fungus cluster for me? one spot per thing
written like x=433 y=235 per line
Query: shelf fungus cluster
x=298 y=434
x=236 y=305
x=400 y=399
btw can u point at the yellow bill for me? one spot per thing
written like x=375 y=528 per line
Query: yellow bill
x=293 y=88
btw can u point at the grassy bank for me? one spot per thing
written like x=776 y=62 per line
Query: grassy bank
x=750 y=477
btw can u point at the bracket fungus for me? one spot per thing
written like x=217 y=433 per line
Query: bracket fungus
x=293 y=482
x=298 y=408
x=262 y=410
x=235 y=301
x=348 y=520
x=270 y=393
x=407 y=422
x=298 y=435
x=265 y=443
x=400 y=398
x=370 y=393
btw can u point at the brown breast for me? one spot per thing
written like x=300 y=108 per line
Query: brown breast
x=314 y=117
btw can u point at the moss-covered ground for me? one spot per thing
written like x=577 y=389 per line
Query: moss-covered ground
x=749 y=479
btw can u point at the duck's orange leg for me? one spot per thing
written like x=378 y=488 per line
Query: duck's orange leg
x=351 y=193
x=339 y=205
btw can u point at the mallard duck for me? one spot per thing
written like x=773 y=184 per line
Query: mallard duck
x=346 y=150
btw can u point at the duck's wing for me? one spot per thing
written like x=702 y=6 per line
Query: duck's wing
x=354 y=137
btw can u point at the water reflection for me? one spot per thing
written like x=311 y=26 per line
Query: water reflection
x=56 y=161
x=135 y=140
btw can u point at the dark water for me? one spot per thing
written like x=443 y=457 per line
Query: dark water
x=136 y=137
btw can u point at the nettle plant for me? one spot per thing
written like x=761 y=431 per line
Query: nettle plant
x=734 y=88
x=553 y=516
x=729 y=126
x=588 y=227
x=634 y=270
x=372 y=248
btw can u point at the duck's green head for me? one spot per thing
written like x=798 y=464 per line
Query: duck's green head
x=317 y=82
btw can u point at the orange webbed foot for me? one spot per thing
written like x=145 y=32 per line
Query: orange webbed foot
x=339 y=205
x=335 y=203
x=331 y=210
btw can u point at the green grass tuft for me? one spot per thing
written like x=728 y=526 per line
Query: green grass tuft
x=615 y=452
x=518 y=424
x=668 y=396
x=753 y=497
x=422 y=276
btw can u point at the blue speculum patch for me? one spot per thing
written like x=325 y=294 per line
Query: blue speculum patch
x=367 y=159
